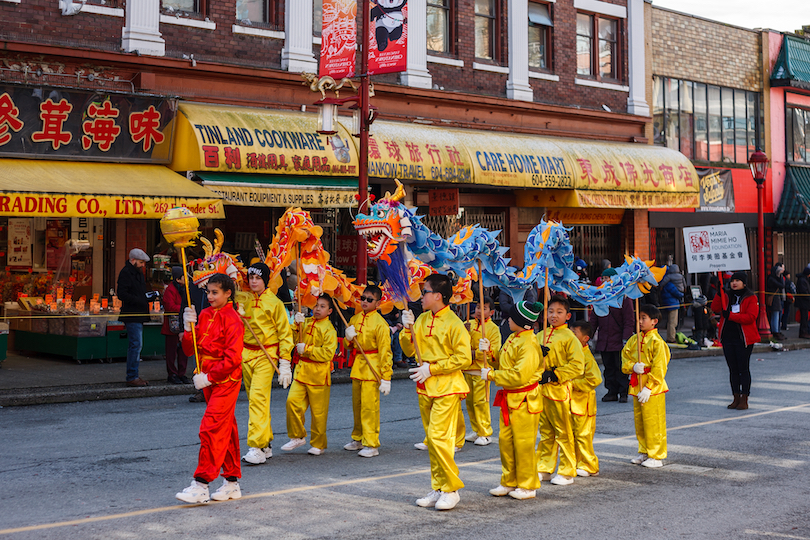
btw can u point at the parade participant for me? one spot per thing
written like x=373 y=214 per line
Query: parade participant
x=583 y=404
x=374 y=336
x=486 y=348
x=266 y=315
x=647 y=384
x=317 y=343
x=445 y=350
x=518 y=372
x=564 y=361
x=219 y=343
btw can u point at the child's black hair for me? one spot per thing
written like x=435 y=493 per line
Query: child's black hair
x=487 y=302
x=584 y=327
x=375 y=290
x=650 y=310
x=557 y=299
x=442 y=285
x=225 y=283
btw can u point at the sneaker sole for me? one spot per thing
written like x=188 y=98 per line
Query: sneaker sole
x=191 y=501
x=226 y=498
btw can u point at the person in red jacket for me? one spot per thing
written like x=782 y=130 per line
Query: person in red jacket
x=219 y=344
x=176 y=359
x=738 y=332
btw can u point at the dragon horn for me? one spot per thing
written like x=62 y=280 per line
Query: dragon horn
x=209 y=250
x=399 y=194
x=218 y=241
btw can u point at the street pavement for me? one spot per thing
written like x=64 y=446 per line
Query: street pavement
x=110 y=469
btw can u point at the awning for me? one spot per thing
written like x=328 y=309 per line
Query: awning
x=794 y=208
x=582 y=198
x=281 y=191
x=32 y=188
x=793 y=64
x=244 y=140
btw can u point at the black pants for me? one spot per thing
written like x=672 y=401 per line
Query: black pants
x=616 y=382
x=738 y=358
x=804 y=323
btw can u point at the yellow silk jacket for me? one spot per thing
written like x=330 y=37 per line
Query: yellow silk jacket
x=654 y=355
x=315 y=365
x=489 y=358
x=583 y=388
x=566 y=356
x=374 y=337
x=521 y=365
x=266 y=315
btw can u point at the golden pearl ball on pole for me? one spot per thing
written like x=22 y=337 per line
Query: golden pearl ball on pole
x=180 y=226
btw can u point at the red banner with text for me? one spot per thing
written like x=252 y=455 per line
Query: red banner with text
x=389 y=37
x=338 y=38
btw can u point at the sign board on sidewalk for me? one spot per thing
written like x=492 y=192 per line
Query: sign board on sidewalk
x=716 y=248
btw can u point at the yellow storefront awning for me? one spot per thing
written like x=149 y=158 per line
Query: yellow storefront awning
x=282 y=191
x=33 y=188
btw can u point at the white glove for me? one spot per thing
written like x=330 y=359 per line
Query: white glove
x=385 y=387
x=644 y=395
x=201 y=381
x=284 y=373
x=407 y=318
x=485 y=373
x=351 y=333
x=483 y=344
x=638 y=367
x=299 y=317
x=422 y=373
x=241 y=310
x=301 y=347
x=189 y=318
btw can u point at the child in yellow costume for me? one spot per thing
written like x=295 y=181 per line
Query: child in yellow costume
x=486 y=348
x=647 y=384
x=564 y=361
x=521 y=366
x=583 y=404
x=266 y=315
x=317 y=343
x=444 y=345
x=374 y=336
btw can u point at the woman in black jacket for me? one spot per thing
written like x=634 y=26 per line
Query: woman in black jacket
x=774 y=291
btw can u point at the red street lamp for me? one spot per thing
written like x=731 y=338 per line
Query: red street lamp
x=758 y=162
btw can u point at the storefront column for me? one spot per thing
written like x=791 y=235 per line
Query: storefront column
x=142 y=30
x=297 y=54
x=517 y=86
x=636 y=101
x=417 y=74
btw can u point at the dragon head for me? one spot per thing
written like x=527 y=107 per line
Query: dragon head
x=216 y=262
x=384 y=226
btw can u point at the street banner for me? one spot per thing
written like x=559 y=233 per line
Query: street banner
x=389 y=36
x=716 y=190
x=716 y=248
x=443 y=202
x=338 y=39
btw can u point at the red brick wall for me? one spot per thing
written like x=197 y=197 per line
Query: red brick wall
x=136 y=234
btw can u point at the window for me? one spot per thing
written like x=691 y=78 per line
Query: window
x=188 y=6
x=715 y=153
x=317 y=17
x=658 y=111
x=600 y=34
x=485 y=29
x=540 y=36
x=686 y=127
x=797 y=127
x=438 y=26
x=258 y=11
x=701 y=123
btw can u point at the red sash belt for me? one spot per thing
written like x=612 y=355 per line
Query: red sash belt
x=257 y=347
x=634 y=376
x=500 y=400
x=308 y=361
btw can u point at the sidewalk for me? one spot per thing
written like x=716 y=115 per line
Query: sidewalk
x=34 y=380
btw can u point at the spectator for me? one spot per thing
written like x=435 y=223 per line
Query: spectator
x=505 y=302
x=578 y=311
x=176 y=359
x=131 y=291
x=790 y=295
x=774 y=293
x=671 y=296
x=605 y=265
x=613 y=330
x=395 y=325
x=803 y=302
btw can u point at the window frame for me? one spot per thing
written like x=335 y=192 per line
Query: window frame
x=271 y=15
x=201 y=8
x=617 y=61
x=450 y=27
x=549 y=41
x=495 y=37
x=790 y=134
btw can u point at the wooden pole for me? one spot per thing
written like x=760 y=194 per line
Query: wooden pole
x=298 y=273
x=642 y=379
x=357 y=344
x=261 y=345
x=545 y=308
x=481 y=309
x=191 y=305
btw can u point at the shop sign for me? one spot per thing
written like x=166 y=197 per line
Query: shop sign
x=19 y=242
x=102 y=206
x=581 y=216
x=338 y=38
x=716 y=248
x=282 y=196
x=388 y=51
x=641 y=200
x=443 y=202
x=716 y=190
x=54 y=123
x=346 y=251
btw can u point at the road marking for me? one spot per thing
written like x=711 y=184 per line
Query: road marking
x=299 y=489
x=776 y=535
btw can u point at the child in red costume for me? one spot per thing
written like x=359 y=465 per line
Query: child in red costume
x=219 y=344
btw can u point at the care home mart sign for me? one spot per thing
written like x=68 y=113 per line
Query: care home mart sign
x=716 y=248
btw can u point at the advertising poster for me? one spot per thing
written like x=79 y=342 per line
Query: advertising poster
x=716 y=190
x=338 y=39
x=389 y=36
x=19 y=242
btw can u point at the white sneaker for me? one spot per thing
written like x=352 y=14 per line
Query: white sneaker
x=471 y=436
x=638 y=459
x=522 y=494
x=353 y=446
x=652 y=463
x=448 y=501
x=562 y=480
x=429 y=500
x=268 y=452
x=293 y=444
x=196 y=493
x=584 y=473
x=457 y=449
x=255 y=456
x=544 y=476
x=483 y=441
x=228 y=490
x=316 y=451
x=368 y=451
x=501 y=491
x=420 y=446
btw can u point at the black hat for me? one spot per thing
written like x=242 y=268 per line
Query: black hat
x=742 y=276
x=260 y=269
x=177 y=272
x=525 y=314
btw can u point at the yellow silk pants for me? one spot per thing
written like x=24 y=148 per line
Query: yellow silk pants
x=584 y=428
x=651 y=426
x=461 y=430
x=366 y=408
x=556 y=436
x=299 y=399
x=478 y=407
x=516 y=442
x=440 y=418
x=257 y=373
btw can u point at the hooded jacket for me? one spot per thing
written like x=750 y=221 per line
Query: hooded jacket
x=775 y=287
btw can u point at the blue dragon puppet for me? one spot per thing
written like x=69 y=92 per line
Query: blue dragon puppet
x=395 y=236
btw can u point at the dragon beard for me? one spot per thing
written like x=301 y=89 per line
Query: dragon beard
x=395 y=276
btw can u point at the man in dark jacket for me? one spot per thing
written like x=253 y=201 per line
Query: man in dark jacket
x=614 y=329
x=774 y=295
x=803 y=302
x=131 y=291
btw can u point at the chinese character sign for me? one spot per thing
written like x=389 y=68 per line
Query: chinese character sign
x=443 y=202
x=55 y=123
x=716 y=248
x=346 y=251
x=388 y=52
x=338 y=38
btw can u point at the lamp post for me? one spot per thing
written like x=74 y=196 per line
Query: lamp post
x=758 y=162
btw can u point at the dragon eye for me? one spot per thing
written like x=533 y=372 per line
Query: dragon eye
x=380 y=213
